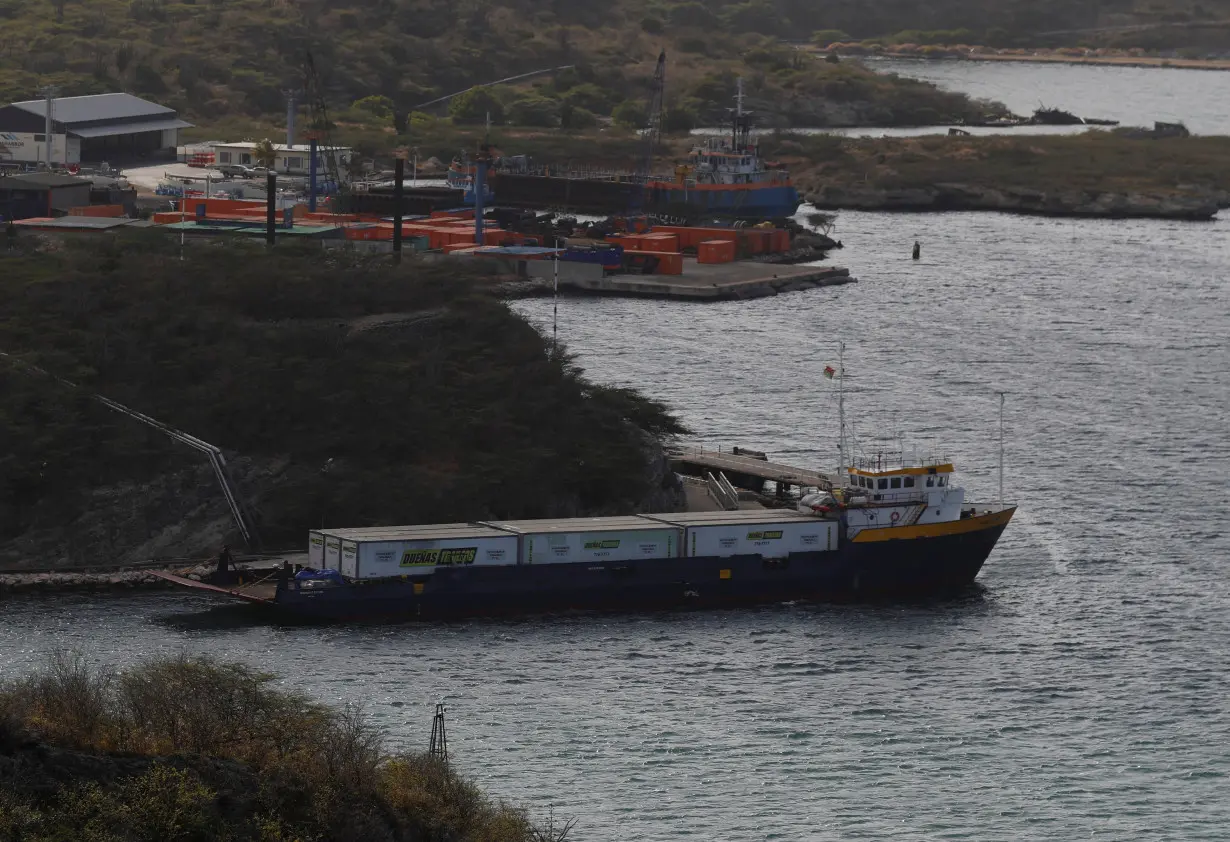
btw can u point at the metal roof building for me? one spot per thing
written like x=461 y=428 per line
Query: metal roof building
x=100 y=127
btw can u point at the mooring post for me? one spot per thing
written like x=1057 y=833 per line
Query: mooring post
x=271 y=207
x=399 y=173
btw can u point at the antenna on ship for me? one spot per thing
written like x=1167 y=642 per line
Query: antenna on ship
x=439 y=740
x=1001 y=448
x=841 y=403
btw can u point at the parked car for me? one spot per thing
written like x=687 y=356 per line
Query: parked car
x=258 y=172
x=233 y=170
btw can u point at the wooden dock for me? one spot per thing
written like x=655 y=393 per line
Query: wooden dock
x=747 y=466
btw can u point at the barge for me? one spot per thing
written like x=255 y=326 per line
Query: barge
x=882 y=531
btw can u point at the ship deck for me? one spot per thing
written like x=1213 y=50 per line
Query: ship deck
x=261 y=591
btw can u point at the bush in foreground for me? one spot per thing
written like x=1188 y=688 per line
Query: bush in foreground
x=196 y=749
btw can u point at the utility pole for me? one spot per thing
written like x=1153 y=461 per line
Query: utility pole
x=290 y=119
x=49 y=92
x=555 y=312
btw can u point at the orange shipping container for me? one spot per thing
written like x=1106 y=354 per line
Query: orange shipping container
x=660 y=242
x=98 y=210
x=715 y=251
x=669 y=262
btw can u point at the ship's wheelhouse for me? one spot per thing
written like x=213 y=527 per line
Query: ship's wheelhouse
x=892 y=484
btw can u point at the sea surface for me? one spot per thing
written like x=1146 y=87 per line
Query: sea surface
x=1079 y=691
x=1135 y=96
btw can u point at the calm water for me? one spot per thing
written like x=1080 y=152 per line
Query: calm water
x=1082 y=692
x=1136 y=96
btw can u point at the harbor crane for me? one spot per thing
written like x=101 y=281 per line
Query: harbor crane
x=650 y=135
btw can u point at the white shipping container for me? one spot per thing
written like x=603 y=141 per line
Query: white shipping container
x=770 y=540
x=593 y=539
x=621 y=545
x=316 y=550
x=350 y=559
x=382 y=558
x=333 y=553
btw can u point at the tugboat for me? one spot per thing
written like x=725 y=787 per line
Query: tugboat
x=883 y=528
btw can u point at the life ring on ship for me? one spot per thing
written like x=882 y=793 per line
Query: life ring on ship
x=895 y=516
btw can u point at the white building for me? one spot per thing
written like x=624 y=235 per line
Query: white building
x=291 y=160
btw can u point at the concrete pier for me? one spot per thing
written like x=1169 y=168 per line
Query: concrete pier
x=704 y=281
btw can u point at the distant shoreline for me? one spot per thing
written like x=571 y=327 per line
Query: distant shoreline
x=950 y=54
x=1114 y=61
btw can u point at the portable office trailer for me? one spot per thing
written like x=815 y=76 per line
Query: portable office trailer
x=381 y=552
x=768 y=533
x=595 y=539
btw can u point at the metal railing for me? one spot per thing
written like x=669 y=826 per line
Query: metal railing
x=722 y=492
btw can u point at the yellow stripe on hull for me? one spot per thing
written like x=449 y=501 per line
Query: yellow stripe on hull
x=937 y=530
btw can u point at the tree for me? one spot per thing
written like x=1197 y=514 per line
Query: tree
x=475 y=105
x=630 y=114
x=380 y=106
x=264 y=154
x=535 y=111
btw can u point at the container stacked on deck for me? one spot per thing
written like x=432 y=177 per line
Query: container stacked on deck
x=771 y=533
x=381 y=552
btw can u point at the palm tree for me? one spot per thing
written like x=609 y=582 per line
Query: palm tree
x=264 y=154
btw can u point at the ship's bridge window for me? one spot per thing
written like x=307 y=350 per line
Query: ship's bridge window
x=940 y=481
x=882 y=484
x=908 y=482
x=895 y=482
x=930 y=482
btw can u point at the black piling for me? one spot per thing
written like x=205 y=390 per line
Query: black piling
x=399 y=174
x=271 y=207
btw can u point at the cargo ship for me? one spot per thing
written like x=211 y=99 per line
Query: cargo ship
x=723 y=177
x=883 y=530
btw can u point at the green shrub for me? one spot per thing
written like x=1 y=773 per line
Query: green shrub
x=242 y=761
x=630 y=114
x=476 y=106
x=535 y=111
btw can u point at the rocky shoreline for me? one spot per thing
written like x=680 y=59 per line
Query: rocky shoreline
x=973 y=197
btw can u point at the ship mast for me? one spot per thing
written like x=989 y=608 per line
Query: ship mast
x=1001 y=448
x=841 y=412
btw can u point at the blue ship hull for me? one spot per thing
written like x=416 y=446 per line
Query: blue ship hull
x=578 y=195
x=778 y=200
x=909 y=568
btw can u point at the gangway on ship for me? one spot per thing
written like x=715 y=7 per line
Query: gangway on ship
x=697 y=460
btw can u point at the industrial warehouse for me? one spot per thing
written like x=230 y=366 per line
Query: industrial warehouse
x=69 y=131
